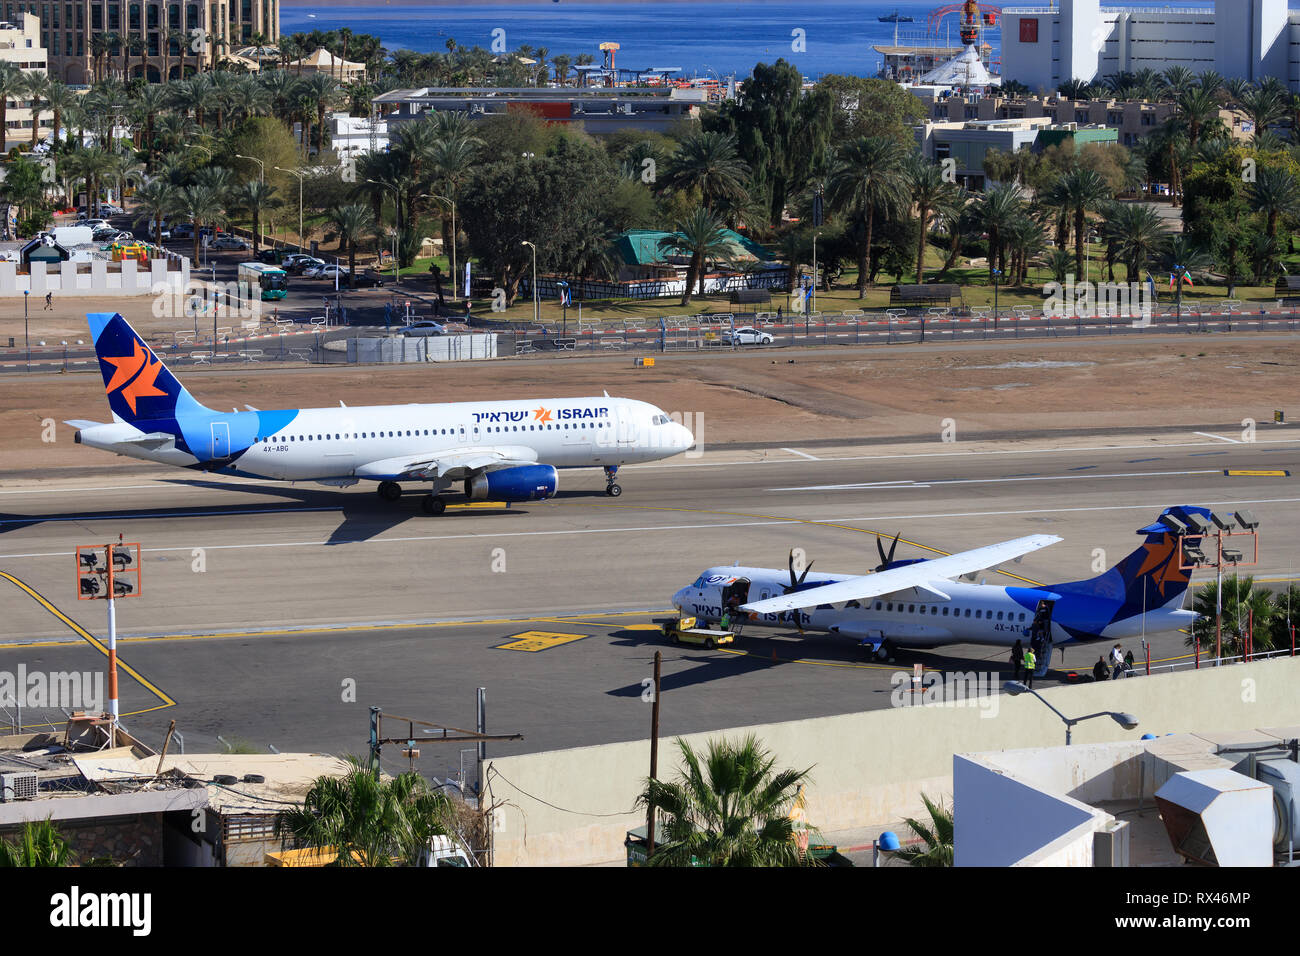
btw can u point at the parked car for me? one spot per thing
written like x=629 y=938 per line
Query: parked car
x=368 y=279
x=271 y=256
x=747 y=335
x=227 y=241
x=94 y=223
x=427 y=327
x=326 y=270
x=298 y=263
x=183 y=230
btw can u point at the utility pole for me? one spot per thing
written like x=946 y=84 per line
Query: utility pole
x=654 y=759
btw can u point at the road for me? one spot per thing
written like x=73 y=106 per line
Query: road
x=278 y=613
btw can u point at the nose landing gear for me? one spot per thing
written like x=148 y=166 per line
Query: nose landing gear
x=611 y=487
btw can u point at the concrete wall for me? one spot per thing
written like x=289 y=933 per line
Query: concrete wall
x=98 y=278
x=867 y=768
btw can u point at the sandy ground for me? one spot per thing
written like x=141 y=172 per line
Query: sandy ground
x=791 y=397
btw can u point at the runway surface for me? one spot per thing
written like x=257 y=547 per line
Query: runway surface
x=277 y=613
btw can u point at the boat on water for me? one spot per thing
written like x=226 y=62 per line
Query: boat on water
x=895 y=17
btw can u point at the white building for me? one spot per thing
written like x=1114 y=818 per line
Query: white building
x=20 y=44
x=350 y=136
x=1044 y=47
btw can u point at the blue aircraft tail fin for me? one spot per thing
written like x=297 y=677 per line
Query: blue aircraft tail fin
x=1150 y=577
x=138 y=384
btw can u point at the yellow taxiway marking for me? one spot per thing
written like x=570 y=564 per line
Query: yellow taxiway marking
x=533 y=641
x=347 y=628
x=92 y=641
x=1263 y=473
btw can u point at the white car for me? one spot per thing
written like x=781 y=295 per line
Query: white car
x=747 y=335
x=326 y=271
x=94 y=223
x=422 y=328
x=228 y=242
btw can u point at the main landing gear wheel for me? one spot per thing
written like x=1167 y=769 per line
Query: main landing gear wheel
x=390 y=490
x=613 y=490
x=885 y=652
x=433 y=505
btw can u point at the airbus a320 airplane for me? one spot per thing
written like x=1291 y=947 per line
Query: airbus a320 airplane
x=916 y=603
x=501 y=451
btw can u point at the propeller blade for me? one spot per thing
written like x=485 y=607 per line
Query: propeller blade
x=892 y=547
x=880 y=548
x=805 y=572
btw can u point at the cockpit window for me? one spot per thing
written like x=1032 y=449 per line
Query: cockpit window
x=701 y=581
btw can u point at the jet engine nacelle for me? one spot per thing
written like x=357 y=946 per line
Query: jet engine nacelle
x=524 y=483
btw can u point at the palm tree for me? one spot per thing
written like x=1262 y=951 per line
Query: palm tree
x=1243 y=607
x=729 y=809
x=1276 y=194
x=1138 y=231
x=154 y=201
x=1199 y=110
x=39 y=844
x=353 y=221
x=996 y=211
x=867 y=175
x=256 y=196
x=450 y=163
x=13 y=84
x=1265 y=106
x=1085 y=191
x=367 y=821
x=936 y=848
x=928 y=190
x=702 y=237
x=1179 y=79
x=709 y=162
x=37 y=89
x=201 y=205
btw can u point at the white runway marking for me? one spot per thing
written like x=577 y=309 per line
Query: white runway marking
x=1232 y=441
x=990 y=481
x=802 y=454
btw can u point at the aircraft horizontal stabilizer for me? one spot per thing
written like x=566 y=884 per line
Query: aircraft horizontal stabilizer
x=926 y=576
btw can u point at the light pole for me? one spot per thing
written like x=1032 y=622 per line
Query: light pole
x=453 y=241
x=996 y=273
x=537 y=318
x=261 y=166
x=1016 y=688
x=26 y=341
x=300 y=175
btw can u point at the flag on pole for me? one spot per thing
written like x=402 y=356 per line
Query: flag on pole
x=1151 y=285
x=467 y=272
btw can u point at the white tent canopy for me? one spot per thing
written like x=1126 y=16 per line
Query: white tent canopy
x=965 y=69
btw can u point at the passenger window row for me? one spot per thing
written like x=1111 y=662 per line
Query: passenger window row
x=980 y=613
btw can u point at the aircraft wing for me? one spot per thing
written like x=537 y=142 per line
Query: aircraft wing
x=455 y=463
x=924 y=576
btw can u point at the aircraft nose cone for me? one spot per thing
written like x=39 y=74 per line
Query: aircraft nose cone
x=684 y=437
x=679 y=597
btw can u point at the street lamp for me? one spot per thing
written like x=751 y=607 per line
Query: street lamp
x=537 y=318
x=26 y=342
x=453 y=241
x=300 y=175
x=1016 y=688
x=261 y=166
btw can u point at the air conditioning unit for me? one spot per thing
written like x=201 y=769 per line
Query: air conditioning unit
x=18 y=786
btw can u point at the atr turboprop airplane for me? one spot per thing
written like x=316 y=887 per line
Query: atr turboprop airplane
x=917 y=604
x=500 y=451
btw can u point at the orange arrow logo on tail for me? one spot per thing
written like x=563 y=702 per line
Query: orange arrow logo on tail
x=127 y=366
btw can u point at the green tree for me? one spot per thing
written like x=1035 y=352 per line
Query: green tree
x=154 y=201
x=701 y=236
x=1084 y=191
x=201 y=205
x=1245 y=609
x=730 y=808
x=1137 y=231
x=781 y=134
x=867 y=176
x=366 y=821
x=708 y=162
x=39 y=844
x=936 y=835
x=1276 y=194
x=997 y=210
x=257 y=197
x=862 y=106
x=352 y=222
x=928 y=192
